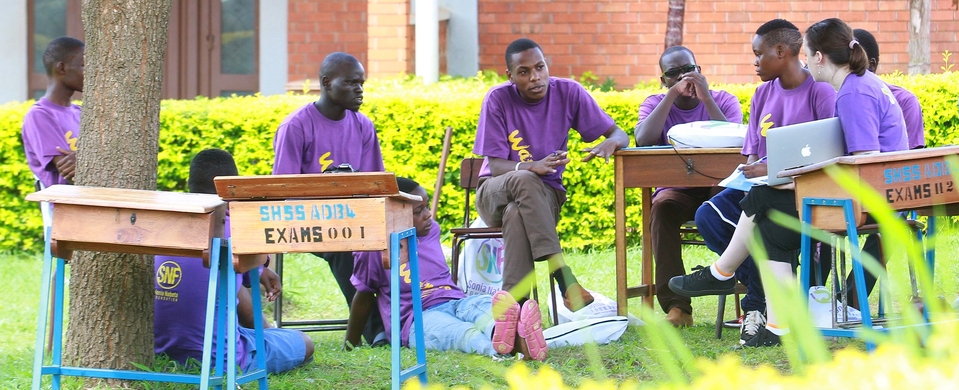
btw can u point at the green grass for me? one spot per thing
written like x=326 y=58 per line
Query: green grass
x=311 y=293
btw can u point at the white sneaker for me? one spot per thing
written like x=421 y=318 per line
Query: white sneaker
x=752 y=322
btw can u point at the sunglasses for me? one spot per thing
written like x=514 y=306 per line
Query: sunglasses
x=673 y=72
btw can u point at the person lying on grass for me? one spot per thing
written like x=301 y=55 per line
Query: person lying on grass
x=483 y=324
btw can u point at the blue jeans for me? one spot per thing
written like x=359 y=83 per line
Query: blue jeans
x=284 y=349
x=461 y=324
x=716 y=220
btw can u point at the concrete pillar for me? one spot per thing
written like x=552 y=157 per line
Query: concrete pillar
x=13 y=29
x=427 y=41
x=462 y=38
x=273 y=46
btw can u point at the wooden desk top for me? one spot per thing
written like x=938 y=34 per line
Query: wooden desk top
x=128 y=199
x=875 y=158
x=311 y=186
x=643 y=151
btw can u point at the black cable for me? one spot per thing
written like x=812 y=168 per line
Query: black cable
x=690 y=167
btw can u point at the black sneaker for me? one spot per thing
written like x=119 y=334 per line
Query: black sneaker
x=752 y=323
x=701 y=282
x=763 y=338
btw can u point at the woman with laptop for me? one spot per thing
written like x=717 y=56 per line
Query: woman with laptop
x=871 y=121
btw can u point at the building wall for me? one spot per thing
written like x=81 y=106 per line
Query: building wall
x=624 y=38
x=319 y=27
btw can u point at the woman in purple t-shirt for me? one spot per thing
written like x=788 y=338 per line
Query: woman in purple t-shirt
x=871 y=121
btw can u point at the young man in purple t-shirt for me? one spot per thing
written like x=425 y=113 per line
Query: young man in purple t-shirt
x=181 y=285
x=788 y=95
x=523 y=132
x=52 y=126
x=451 y=320
x=688 y=99
x=331 y=134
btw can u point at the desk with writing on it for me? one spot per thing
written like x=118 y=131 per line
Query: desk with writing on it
x=657 y=167
x=918 y=180
x=339 y=212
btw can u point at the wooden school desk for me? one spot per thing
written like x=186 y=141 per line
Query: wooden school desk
x=334 y=212
x=145 y=222
x=648 y=168
x=908 y=180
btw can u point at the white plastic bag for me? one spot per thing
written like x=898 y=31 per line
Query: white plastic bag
x=707 y=134
x=602 y=307
x=481 y=264
x=595 y=330
x=820 y=307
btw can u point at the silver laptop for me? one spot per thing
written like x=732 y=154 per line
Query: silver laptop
x=802 y=144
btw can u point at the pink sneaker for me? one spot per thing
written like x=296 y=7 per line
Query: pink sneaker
x=530 y=332
x=506 y=316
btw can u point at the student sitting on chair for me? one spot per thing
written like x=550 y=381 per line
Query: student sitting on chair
x=789 y=95
x=483 y=324
x=688 y=99
x=912 y=114
x=871 y=121
x=181 y=291
x=523 y=132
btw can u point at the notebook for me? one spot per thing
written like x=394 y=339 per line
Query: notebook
x=802 y=144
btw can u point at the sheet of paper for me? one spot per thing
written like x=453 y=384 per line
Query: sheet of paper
x=739 y=181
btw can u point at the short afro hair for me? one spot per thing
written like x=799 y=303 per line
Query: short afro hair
x=60 y=50
x=868 y=43
x=333 y=62
x=519 y=46
x=207 y=165
x=781 y=32
x=407 y=185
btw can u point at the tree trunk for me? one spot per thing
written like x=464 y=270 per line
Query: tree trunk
x=919 y=46
x=674 y=23
x=111 y=295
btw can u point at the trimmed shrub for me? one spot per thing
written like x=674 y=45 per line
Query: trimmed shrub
x=410 y=119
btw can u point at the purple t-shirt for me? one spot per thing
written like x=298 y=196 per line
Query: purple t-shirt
x=912 y=114
x=179 y=308
x=436 y=284
x=512 y=129
x=727 y=103
x=308 y=142
x=870 y=116
x=774 y=106
x=45 y=127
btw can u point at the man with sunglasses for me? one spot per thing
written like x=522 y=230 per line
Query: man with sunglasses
x=688 y=99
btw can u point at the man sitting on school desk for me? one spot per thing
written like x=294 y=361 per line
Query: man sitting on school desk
x=688 y=99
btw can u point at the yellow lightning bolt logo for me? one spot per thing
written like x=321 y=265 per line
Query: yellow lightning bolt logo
x=766 y=125
x=515 y=139
x=71 y=140
x=325 y=161
x=405 y=272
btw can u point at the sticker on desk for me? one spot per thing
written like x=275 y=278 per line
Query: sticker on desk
x=334 y=225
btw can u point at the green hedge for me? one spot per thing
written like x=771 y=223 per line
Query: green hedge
x=410 y=119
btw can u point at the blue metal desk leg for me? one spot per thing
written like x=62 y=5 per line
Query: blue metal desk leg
x=211 y=301
x=399 y=375
x=257 y=325
x=42 y=318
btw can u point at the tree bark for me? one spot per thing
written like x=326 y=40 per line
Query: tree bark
x=674 y=23
x=919 y=46
x=111 y=295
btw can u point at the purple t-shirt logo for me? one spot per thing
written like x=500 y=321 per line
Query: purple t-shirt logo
x=325 y=161
x=514 y=140
x=765 y=124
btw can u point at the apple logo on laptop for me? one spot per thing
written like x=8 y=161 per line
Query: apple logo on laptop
x=805 y=151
